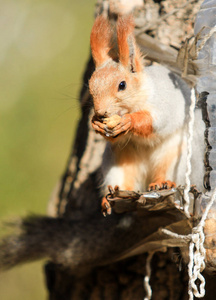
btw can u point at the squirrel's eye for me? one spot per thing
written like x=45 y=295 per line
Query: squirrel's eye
x=122 y=86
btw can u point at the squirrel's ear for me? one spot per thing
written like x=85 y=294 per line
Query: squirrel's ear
x=129 y=53
x=100 y=40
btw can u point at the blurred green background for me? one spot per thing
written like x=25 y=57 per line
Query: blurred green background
x=44 y=46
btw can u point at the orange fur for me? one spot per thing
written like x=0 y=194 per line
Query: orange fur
x=126 y=43
x=103 y=86
x=100 y=40
x=141 y=123
x=100 y=95
x=128 y=162
x=129 y=177
x=160 y=172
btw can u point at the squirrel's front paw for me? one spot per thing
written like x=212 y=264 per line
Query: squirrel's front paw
x=159 y=185
x=106 y=208
x=98 y=125
x=117 y=125
x=112 y=127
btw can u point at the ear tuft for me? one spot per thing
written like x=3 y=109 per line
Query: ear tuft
x=129 y=53
x=100 y=40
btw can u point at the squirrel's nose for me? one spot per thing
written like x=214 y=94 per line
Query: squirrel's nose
x=101 y=113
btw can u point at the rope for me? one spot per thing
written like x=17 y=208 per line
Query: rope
x=196 y=247
x=196 y=264
x=148 y=276
x=189 y=153
x=196 y=252
x=197 y=255
x=196 y=239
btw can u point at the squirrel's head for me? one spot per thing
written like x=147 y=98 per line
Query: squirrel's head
x=114 y=82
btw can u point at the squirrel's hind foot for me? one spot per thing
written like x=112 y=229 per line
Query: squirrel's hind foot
x=159 y=185
x=105 y=207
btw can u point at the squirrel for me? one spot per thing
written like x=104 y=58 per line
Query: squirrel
x=142 y=112
x=143 y=115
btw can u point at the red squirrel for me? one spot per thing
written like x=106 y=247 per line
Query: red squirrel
x=142 y=112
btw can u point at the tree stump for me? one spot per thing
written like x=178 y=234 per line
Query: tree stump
x=161 y=26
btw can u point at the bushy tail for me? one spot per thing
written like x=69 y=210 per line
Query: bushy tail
x=67 y=242
x=34 y=240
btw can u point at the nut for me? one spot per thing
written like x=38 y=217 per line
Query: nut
x=112 y=121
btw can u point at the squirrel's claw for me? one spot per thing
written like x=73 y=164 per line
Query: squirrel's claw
x=122 y=127
x=106 y=208
x=101 y=128
x=98 y=126
x=159 y=185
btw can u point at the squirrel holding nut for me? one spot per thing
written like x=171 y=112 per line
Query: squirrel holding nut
x=142 y=112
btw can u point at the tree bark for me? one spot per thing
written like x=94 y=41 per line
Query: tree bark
x=165 y=23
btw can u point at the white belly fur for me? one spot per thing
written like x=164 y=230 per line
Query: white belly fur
x=144 y=161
